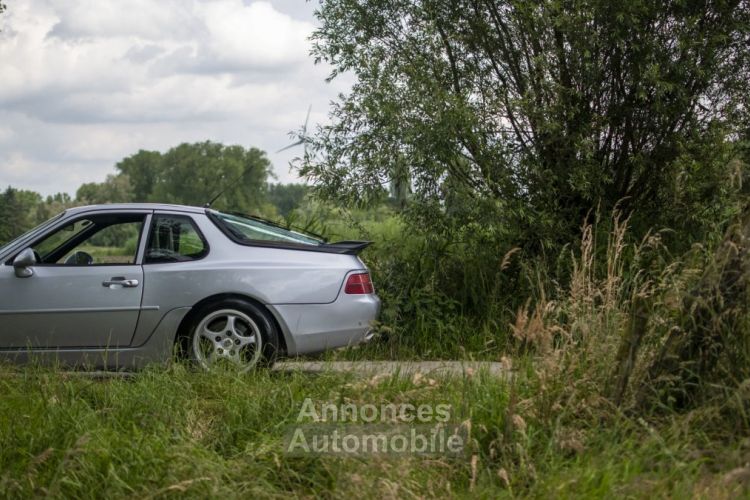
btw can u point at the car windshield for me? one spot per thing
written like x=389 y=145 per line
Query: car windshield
x=44 y=224
x=249 y=228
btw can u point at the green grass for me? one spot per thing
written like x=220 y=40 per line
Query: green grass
x=175 y=432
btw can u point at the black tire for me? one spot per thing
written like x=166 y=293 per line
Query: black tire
x=260 y=316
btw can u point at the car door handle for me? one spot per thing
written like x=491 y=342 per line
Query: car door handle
x=121 y=282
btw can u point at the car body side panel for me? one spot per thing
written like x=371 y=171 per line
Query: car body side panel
x=183 y=284
x=67 y=306
x=157 y=349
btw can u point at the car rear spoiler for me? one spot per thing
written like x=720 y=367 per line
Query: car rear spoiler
x=345 y=247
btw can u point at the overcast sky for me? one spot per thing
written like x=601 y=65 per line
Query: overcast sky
x=84 y=83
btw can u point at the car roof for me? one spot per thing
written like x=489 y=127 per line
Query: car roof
x=136 y=206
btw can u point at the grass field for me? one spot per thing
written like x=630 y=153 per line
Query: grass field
x=174 y=432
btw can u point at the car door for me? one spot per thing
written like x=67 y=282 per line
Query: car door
x=85 y=289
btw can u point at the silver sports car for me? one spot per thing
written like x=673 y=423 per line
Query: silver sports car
x=120 y=286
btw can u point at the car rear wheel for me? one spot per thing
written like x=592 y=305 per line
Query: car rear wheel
x=235 y=334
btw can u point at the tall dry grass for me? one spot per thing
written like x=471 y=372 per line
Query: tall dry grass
x=596 y=355
x=637 y=331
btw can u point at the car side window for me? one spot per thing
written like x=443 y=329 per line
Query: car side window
x=65 y=234
x=174 y=238
x=106 y=239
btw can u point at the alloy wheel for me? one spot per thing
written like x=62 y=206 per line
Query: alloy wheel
x=228 y=337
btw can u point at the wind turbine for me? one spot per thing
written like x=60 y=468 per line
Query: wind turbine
x=302 y=138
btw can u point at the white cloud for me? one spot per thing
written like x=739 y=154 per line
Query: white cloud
x=251 y=37
x=87 y=82
x=144 y=19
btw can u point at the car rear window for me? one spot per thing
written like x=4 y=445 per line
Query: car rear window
x=249 y=229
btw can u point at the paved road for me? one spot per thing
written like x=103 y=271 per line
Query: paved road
x=405 y=368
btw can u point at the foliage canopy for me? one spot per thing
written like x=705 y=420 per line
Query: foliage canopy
x=533 y=111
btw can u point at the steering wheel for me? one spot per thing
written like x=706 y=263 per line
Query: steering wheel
x=79 y=258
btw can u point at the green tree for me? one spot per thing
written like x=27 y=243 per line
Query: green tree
x=19 y=209
x=193 y=174
x=53 y=205
x=286 y=197
x=115 y=189
x=531 y=112
x=189 y=174
x=142 y=170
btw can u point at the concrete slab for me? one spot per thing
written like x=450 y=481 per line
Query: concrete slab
x=404 y=368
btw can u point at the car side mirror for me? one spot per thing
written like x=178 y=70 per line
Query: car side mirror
x=24 y=262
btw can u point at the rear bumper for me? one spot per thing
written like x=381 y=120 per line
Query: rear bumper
x=311 y=328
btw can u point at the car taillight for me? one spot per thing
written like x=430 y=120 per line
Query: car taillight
x=358 y=284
